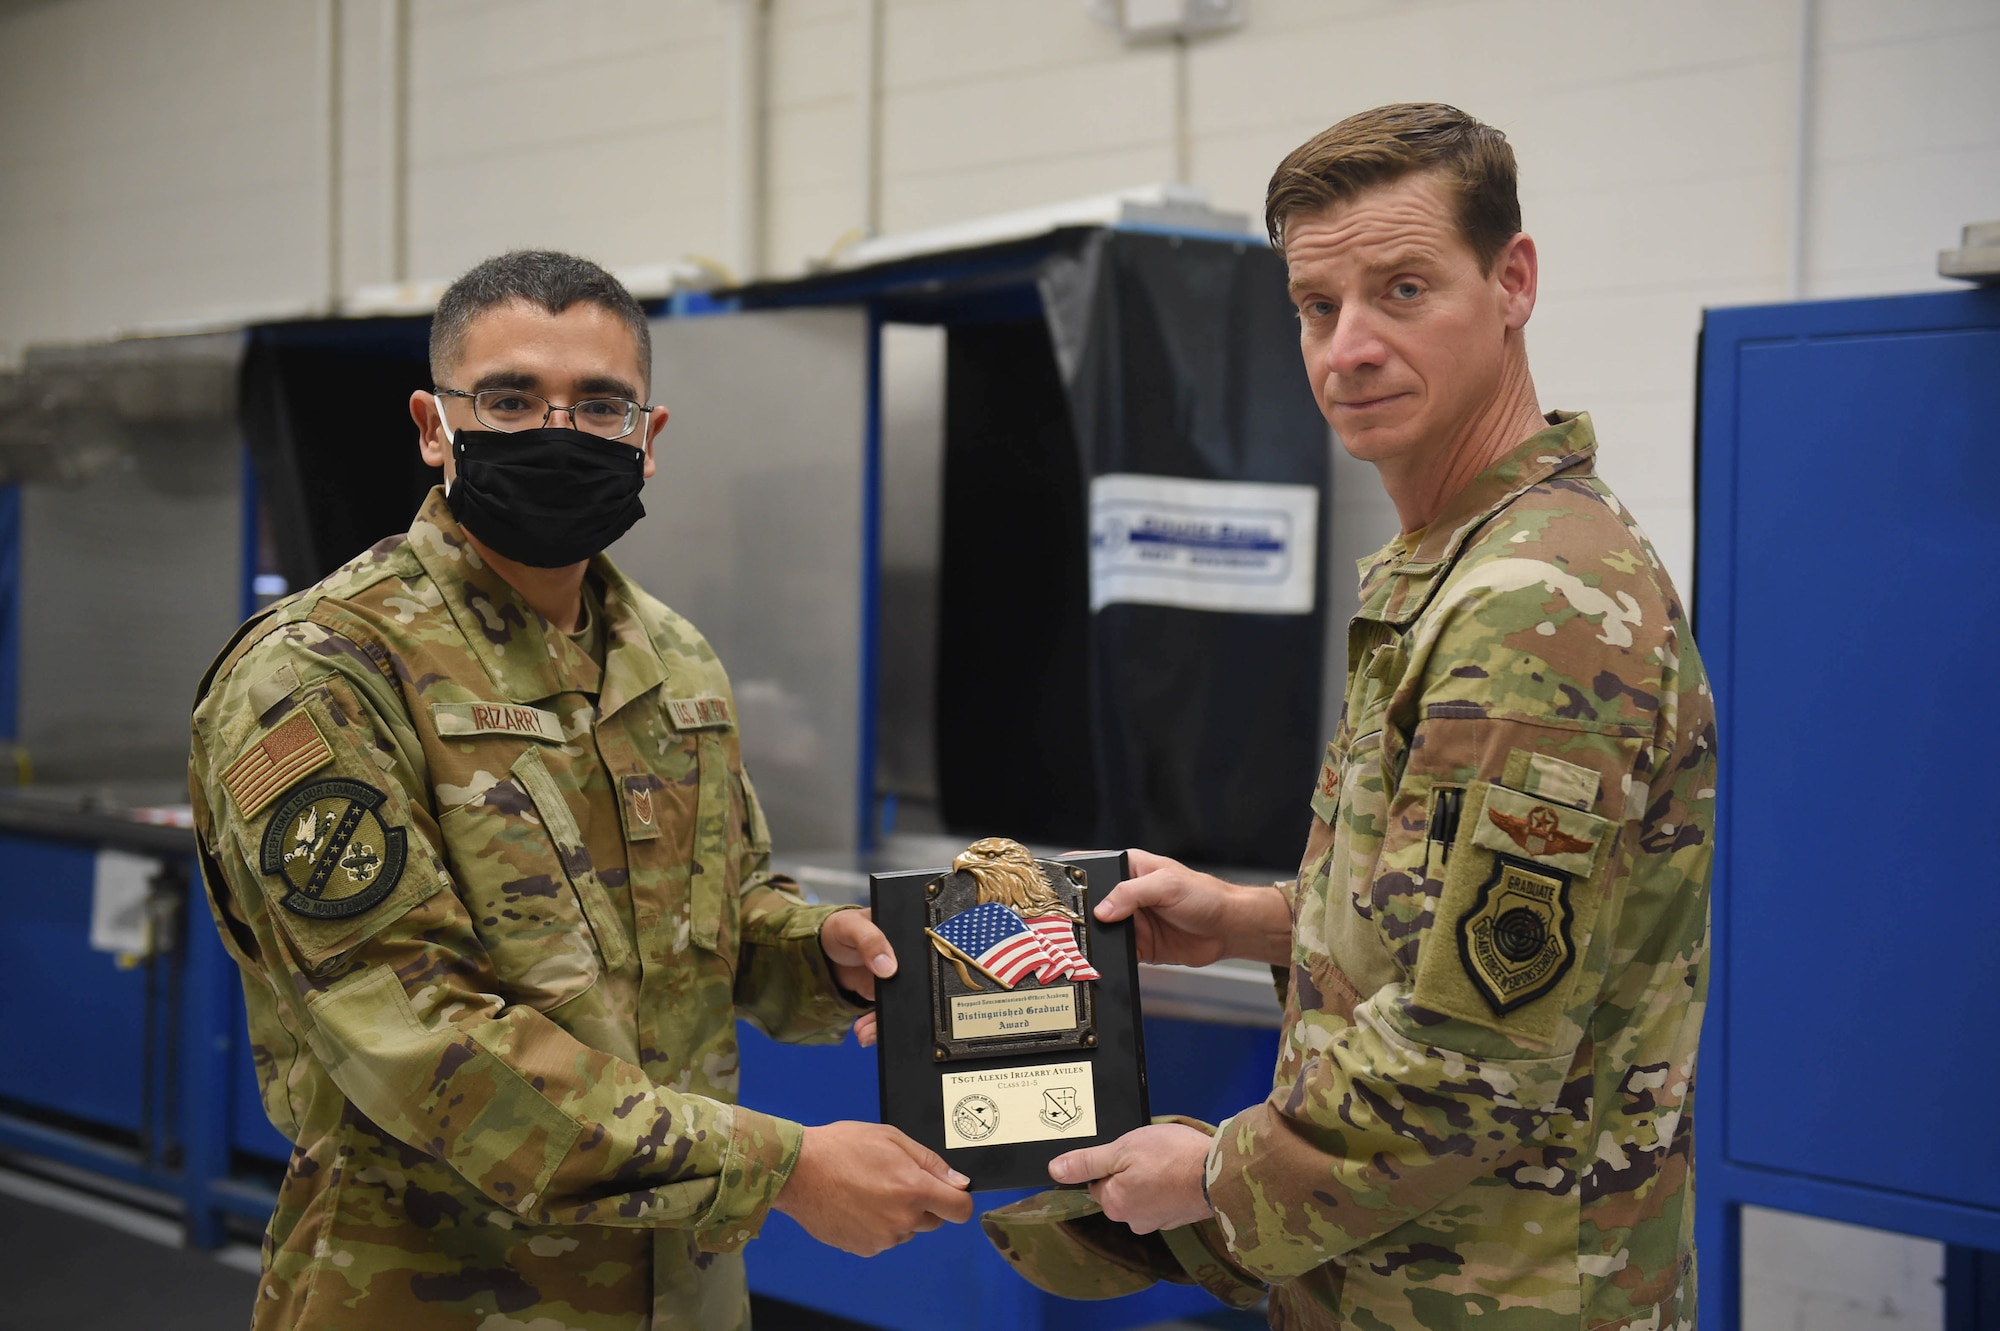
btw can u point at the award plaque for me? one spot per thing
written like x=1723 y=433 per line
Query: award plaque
x=1010 y=1031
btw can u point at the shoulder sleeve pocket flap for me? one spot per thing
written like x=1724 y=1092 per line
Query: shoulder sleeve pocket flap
x=1542 y=831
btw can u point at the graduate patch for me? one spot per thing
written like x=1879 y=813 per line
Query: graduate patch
x=329 y=845
x=1516 y=941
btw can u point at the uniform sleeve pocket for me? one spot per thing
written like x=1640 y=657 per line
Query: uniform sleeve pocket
x=1521 y=894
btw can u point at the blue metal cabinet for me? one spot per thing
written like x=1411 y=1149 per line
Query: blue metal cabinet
x=76 y=1021
x=1848 y=608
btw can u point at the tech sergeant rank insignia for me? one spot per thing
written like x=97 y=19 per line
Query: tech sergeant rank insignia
x=1516 y=940
x=328 y=842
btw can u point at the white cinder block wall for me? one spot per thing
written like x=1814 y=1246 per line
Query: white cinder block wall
x=189 y=160
x=179 y=161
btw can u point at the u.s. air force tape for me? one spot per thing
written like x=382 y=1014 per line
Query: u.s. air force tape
x=329 y=845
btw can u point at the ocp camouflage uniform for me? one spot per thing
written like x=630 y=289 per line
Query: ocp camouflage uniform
x=497 y=908
x=1481 y=1112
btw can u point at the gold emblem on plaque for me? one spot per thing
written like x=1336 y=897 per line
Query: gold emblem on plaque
x=1018 y=922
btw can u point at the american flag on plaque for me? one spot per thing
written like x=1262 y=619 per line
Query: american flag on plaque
x=998 y=941
x=1058 y=935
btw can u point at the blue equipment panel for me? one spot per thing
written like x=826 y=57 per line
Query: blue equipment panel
x=1865 y=636
x=1850 y=617
x=80 y=1048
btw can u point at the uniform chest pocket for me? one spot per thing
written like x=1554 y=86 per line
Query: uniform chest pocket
x=1335 y=923
x=685 y=811
x=1362 y=820
x=537 y=904
x=722 y=822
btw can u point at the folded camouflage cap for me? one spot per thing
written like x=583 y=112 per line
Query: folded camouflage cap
x=1062 y=1241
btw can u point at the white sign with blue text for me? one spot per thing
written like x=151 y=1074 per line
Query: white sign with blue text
x=1243 y=546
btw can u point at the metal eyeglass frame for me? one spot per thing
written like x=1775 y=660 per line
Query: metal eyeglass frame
x=635 y=412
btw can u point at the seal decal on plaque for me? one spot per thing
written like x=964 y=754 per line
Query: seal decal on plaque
x=1019 y=1037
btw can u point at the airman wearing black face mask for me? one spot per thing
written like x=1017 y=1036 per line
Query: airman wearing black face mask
x=547 y=498
x=475 y=825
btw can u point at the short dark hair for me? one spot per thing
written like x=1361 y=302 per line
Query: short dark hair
x=548 y=278
x=1382 y=146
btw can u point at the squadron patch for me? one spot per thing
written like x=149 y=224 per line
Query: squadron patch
x=329 y=845
x=1516 y=941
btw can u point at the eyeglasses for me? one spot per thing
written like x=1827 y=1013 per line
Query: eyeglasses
x=509 y=409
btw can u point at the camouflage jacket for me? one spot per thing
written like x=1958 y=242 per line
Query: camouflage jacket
x=496 y=909
x=1481 y=1113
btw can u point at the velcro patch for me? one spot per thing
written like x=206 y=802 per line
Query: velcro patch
x=1533 y=829
x=328 y=846
x=1517 y=940
x=1564 y=783
x=496 y=718
x=293 y=750
x=699 y=713
x=641 y=809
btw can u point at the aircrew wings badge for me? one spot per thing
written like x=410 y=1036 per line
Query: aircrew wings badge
x=1540 y=833
x=328 y=845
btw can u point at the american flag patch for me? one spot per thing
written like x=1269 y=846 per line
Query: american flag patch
x=275 y=762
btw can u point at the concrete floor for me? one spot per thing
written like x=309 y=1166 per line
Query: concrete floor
x=90 y=1272
x=81 y=1262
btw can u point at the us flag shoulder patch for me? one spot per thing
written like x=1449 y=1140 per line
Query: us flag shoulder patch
x=273 y=763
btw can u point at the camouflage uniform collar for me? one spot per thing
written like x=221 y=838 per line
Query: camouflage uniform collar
x=632 y=663
x=1397 y=582
x=511 y=639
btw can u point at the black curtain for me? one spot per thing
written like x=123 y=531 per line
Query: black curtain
x=325 y=410
x=1015 y=754
x=1181 y=359
x=1194 y=732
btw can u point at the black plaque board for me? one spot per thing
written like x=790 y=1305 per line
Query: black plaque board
x=929 y=1066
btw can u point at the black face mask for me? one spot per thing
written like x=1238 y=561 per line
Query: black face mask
x=548 y=497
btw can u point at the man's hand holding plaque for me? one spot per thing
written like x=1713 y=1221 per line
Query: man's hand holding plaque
x=1017 y=1036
